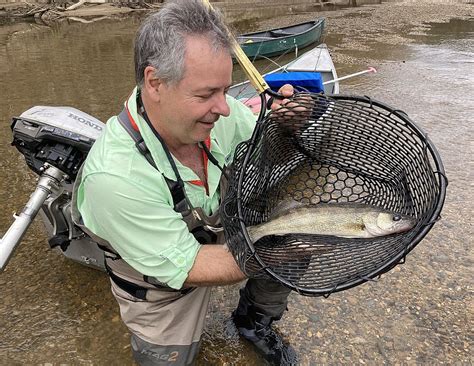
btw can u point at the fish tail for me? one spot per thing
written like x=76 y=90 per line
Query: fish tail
x=254 y=233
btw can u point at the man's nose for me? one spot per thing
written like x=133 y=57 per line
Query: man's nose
x=220 y=106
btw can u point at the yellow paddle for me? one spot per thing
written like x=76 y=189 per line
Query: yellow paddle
x=252 y=73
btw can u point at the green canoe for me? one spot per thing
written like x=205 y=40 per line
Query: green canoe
x=278 y=41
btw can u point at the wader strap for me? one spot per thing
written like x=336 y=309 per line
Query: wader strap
x=139 y=291
x=124 y=120
x=176 y=190
x=129 y=287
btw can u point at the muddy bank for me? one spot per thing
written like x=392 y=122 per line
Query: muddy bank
x=88 y=11
x=386 y=18
x=357 y=30
x=41 y=11
x=49 y=15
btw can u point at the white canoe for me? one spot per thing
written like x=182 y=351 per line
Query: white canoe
x=316 y=60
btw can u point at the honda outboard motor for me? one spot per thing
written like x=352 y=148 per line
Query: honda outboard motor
x=59 y=136
x=55 y=142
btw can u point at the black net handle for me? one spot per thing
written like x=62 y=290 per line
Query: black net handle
x=265 y=105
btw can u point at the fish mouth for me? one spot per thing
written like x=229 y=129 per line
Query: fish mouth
x=411 y=223
x=408 y=225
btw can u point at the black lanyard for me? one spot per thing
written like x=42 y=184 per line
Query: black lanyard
x=212 y=159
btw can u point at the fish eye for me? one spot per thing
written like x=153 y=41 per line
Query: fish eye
x=397 y=217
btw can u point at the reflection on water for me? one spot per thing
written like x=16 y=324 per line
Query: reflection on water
x=55 y=311
x=455 y=29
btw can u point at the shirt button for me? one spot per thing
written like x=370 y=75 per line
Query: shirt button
x=180 y=261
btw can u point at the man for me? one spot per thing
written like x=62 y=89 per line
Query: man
x=133 y=200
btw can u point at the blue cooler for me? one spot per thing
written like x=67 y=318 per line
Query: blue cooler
x=310 y=81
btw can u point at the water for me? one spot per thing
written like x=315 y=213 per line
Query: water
x=55 y=311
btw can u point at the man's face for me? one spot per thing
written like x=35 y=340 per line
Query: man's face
x=189 y=109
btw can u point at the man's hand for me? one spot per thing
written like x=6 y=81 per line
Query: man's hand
x=287 y=91
x=286 y=107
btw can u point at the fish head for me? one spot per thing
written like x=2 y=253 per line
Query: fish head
x=387 y=223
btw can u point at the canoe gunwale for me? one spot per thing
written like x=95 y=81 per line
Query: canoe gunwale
x=257 y=48
x=313 y=24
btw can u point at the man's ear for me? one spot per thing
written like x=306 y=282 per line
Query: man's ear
x=151 y=83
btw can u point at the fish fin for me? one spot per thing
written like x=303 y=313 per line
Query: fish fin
x=284 y=206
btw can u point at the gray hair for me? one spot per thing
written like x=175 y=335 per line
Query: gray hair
x=160 y=40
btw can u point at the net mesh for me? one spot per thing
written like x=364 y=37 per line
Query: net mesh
x=339 y=149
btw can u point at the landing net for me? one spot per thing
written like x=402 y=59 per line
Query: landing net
x=331 y=149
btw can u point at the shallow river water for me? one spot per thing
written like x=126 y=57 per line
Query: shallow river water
x=53 y=311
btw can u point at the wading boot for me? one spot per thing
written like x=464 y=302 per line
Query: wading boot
x=256 y=328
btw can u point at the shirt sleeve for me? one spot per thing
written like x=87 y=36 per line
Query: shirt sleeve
x=141 y=225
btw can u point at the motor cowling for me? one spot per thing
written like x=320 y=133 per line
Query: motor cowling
x=59 y=136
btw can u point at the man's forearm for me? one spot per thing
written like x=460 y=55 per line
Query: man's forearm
x=214 y=265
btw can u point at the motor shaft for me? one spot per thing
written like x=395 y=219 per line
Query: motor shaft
x=47 y=184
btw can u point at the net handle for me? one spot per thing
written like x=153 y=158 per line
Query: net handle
x=252 y=73
x=254 y=76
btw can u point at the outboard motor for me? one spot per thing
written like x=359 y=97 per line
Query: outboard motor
x=55 y=142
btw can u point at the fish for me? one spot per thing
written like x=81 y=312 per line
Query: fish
x=345 y=220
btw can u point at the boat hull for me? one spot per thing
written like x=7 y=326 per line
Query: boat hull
x=280 y=41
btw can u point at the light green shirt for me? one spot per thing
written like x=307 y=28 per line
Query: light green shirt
x=125 y=201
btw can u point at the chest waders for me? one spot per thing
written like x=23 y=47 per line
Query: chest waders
x=204 y=228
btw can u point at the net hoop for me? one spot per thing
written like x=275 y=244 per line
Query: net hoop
x=235 y=209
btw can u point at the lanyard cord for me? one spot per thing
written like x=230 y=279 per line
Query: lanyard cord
x=142 y=110
x=213 y=160
x=211 y=157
